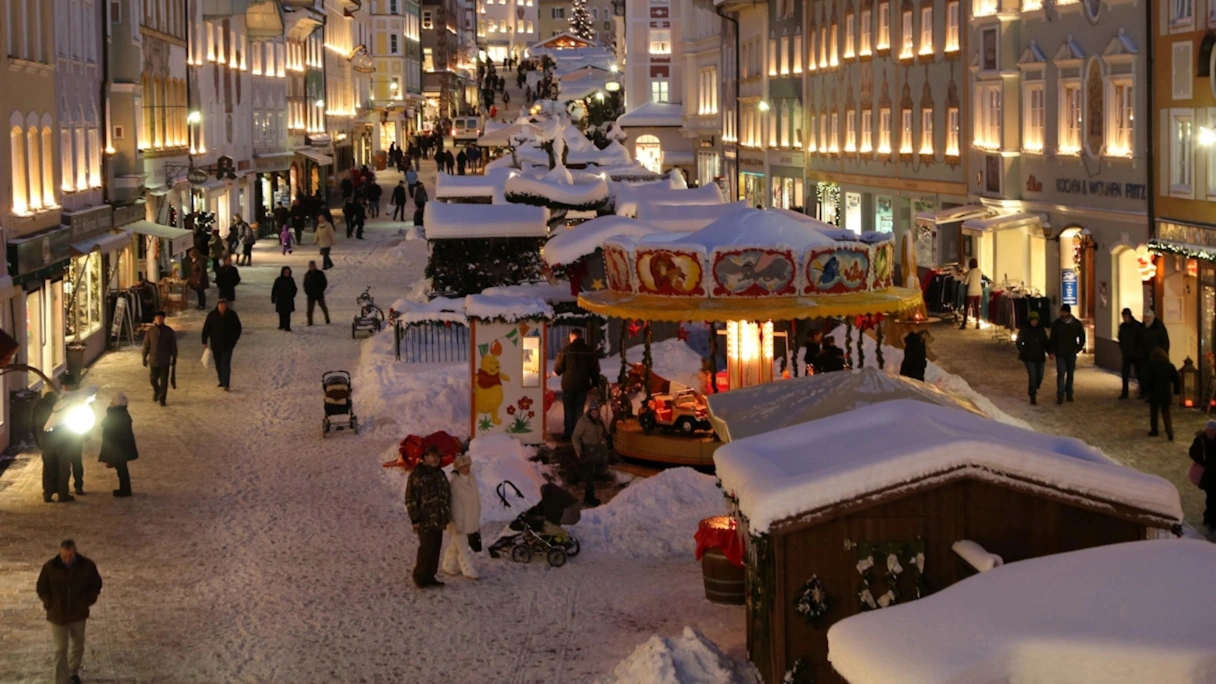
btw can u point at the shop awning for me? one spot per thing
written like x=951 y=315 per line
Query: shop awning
x=1186 y=249
x=179 y=239
x=104 y=243
x=954 y=214
x=1006 y=222
x=319 y=158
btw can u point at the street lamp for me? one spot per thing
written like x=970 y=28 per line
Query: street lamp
x=763 y=106
x=194 y=117
x=74 y=410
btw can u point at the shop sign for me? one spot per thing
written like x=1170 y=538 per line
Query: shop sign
x=1068 y=287
x=1096 y=188
x=197 y=176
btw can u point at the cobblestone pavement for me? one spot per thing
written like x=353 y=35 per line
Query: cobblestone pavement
x=1117 y=427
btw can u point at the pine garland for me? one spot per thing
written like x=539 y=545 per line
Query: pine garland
x=647 y=362
x=848 y=340
x=878 y=347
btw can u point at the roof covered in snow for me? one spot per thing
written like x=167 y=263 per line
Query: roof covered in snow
x=652 y=114
x=507 y=309
x=685 y=218
x=558 y=188
x=744 y=227
x=748 y=411
x=614 y=153
x=440 y=309
x=451 y=221
x=569 y=246
x=460 y=187
x=1119 y=614
x=628 y=196
x=549 y=292
x=906 y=443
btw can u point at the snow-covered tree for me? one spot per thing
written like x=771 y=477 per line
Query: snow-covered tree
x=580 y=21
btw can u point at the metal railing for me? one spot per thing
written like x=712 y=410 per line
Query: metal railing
x=431 y=342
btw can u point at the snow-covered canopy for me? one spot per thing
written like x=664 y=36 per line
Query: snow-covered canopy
x=440 y=310
x=744 y=227
x=749 y=411
x=450 y=221
x=504 y=135
x=582 y=240
x=1119 y=614
x=549 y=292
x=685 y=218
x=628 y=196
x=507 y=309
x=490 y=184
x=614 y=153
x=557 y=188
x=904 y=442
x=652 y=115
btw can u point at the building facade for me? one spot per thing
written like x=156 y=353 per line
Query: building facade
x=507 y=29
x=703 y=50
x=653 y=79
x=397 y=81
x=446 y=60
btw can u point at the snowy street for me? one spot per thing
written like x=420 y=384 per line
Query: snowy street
x=253 y=550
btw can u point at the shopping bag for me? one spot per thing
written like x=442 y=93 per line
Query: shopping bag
x=206 y=357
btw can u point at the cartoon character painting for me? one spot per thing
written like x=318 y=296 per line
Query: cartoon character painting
x=753 y=273
x=883 y=258
x=616 y=262
x=669 y=272
x=488 y=393
x=837 y=271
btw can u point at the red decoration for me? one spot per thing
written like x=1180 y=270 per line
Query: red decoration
x=633 y=328
x=720 y=532
x=682 y=334
x=410 y=451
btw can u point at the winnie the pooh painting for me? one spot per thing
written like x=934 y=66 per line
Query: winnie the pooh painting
x=488 y=393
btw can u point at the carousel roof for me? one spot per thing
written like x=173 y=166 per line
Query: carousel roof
x=615 y=304
x=567 y=247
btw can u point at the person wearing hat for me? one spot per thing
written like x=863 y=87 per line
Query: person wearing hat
x=428 y=500
x=160 y=355
x=1203 y=452
x=590 y=440
x=1032 y=352
x=221 y=331
x=1067 y=339
x=466 y=519
x=118 y=442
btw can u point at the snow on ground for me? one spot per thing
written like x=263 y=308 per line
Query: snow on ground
x=653 y=517
x=409 y=398
x=498 y=458
x=687 y=659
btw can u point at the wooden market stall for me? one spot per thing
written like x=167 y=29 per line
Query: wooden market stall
x=508 y=366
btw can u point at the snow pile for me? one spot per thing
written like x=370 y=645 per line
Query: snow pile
x=414 y=398
x=671 y=360
x=557 y=188
x=506 y=309
x=688 y=659
x=684 y=218
x=1124 y=613
x=568 y=246
x=497 y=458
x=653 y=518
x=439 y=309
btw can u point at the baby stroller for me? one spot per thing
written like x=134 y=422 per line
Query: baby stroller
x=536 y=531
x=370 y=318
x=339 y=409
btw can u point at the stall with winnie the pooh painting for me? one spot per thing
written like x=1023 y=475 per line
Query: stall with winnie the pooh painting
x=508 y=366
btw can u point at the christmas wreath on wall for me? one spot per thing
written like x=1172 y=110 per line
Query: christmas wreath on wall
x=812 y=601
x=894 y=558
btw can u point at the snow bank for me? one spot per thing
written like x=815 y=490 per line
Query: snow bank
x=413 y=398
x=670 y=359
x=501 y=457
x=653 y=518
x=687 y=659
x=507 y=309
x=558 y=189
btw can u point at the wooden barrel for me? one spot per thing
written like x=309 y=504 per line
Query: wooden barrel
x=723 y=580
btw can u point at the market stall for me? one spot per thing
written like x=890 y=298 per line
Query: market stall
x=508 y=365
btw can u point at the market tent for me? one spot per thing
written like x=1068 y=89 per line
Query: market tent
x=749 y=411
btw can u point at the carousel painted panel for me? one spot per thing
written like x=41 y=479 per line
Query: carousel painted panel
x=837 y=270
x=754 y=272
x=508 y=366
x=616 y=263
x=882 y=257
x=670 y=272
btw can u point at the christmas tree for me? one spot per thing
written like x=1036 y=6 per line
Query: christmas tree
x=580 y=21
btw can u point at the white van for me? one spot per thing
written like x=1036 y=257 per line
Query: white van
x=466 y=128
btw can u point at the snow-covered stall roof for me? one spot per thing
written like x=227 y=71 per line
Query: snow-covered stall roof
x=506 y=309
x=904 y=443
x=745 y=227
x=549 y=292
x=451 y=221
x=613 y=153
x=685 y=218
x=489 y=184
x=440 y=309
x=557 y=188
x=1118 y=614
x=748 y=411
x=583 y=239
x=501 y=135
x=628 y=196
x=652 y=114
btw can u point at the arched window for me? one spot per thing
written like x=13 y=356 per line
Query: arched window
x=649 y=152
x=82 y=152
x=65 y=156
x=21 y=201
x=33 y=147
x=48 y=164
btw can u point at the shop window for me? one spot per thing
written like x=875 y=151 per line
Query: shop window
x=784 y=57
x=1182 y=12
x=823 y=48
x=811 y=63
x=659 y=90
x=834 y=46
x=834 y=134
x=772 y=56
x=83 y=289
x=1033 y=117
x=530 y=359
x=65 y=159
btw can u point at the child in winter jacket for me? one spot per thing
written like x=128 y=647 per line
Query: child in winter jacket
x=285 y=239
x=466 y=518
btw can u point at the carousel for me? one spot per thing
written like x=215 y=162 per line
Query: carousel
x=738 y=275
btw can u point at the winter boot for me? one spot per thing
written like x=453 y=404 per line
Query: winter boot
x=1059 y=399
x=1033 y=401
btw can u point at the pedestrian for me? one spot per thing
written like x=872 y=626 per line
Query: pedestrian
x=283 y=296
x=399 y=195
x=428 y=501
x=420 y=200
x=160 y=355
x=315 y=284
x=1131 y=335
x=461 y=160
x=233 y=239
x=1161 y=383
x=1203 y=452
x=466 y=519
x=475 y=157
x=831 y=357
x=974 y=282
x=1155 y=335
x=248 y=238
x=810 y=352
x=579 y=368
x=590 y=441
x=348 y=214
x=374 y=193
x=51 y=471
x=68 y=586
x=299 y=214
x=201 y=237
x=506 y=98
x=118 y=442
x=1032 y=346
x=221 y=331
x=199 y=280
x=916 y=355
x=348 y=188
x=449 y=161
x=1066 y=341
x=325 y=238
x=493 y=111
x=285 y=238
x=215 y=249
x=411 y=182
x=360 y=220
x=226 y=280
x=282 y=216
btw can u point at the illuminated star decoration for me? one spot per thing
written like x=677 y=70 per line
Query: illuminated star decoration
x=633 y=328
x=597 y=284
x=682 y=334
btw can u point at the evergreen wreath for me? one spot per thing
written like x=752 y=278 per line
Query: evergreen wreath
x=812 y=602
x=869 y=554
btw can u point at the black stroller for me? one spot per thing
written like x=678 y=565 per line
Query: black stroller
x=339 y=408
x=538 y=529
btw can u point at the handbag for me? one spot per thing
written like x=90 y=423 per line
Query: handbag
x=1195 y=474
x=475 y=541
x=207 y=356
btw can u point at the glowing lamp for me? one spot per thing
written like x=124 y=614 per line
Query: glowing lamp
x=194 y=117
x=749 y=353
x=612 y=86
x=1189 y=375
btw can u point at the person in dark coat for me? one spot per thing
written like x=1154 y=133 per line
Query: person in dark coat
x=51 y=482
x=160 y=355
x=420 y=200
x=831 y=357
x=450 y=162
x=579 y=367
x=399 y=201
x=374 y=193
x=118 y=442
x=226 y=280
x=1163 y=382
x=283 y=296
x=315 y=284
x=810 y=355
x=299 y=214
x=428 y=501
x=282 y=216
x=1155 y=335
x=360 y=220
x=916 y=356
x=1032 y=352
x=1203 y=452
x=461 y=160
x=1067 y=339
x=1131 y=335
x=348 y=188
x=221 y=331
x=199 y=279
x=68 y=586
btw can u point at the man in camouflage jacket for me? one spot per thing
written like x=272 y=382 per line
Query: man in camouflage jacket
x=428 y=500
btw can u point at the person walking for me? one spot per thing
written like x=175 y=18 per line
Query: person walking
x=160 y=355
x=411 y=182
x=360 y=218
x=299 y=214
x=1032 y=346
x=466 y=519
x=449 y=161
x=1162 y=383
x=215 y=249
x=1131 y=334
x=118 y=442
x=226 y=280
x=233 y=239
x=428 y=501
x=420 y=200
x=590 y=441
x=1155 y=335
x=315 y=284
x=399 y=196
x=282 y=216
x=39 y=417
x=221 y=331
x=248 y=238
x=325 y=237
x=285 y=238
x=974 y=282
x=1203 y=452
x=68 y=586
x=199 y=280
x=579 y=369
x=461 y=160
x=374 y=193
x=810 y=350
x=348 y=214
x=831 y=357
x=283 y=296
x=1067 y=339
x=916 y=355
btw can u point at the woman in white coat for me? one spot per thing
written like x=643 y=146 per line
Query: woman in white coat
x=466 y=518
